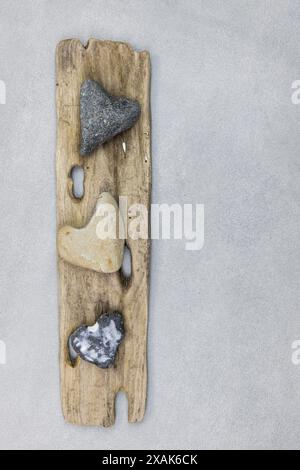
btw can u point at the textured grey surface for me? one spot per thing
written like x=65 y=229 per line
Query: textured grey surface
x=98 y=343
x=225 y=134
x=103 y=116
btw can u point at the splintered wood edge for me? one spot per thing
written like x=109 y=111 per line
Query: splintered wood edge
x=88 y=393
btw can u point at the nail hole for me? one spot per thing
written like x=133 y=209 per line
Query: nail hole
x=77 y=175
x=127 y=263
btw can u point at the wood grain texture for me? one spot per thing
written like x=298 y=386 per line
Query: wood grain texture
x=88 y=393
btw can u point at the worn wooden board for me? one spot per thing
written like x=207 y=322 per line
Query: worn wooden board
x=88 y=393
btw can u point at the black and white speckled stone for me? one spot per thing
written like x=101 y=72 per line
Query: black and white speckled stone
x=98 y=344
x=103 y=116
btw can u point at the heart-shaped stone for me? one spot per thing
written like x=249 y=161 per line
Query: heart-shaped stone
x=103 y=116
x=96 y=246
x=98 y=344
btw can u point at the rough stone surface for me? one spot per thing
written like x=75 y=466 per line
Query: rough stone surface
x=103 y=116
x=98 y=344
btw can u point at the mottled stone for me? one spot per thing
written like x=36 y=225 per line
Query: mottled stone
x=98 y=344
x=103 y=116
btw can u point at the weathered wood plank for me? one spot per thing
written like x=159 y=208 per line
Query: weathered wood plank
x=88 y=393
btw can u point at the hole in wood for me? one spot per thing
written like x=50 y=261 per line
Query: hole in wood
x=121 y=407
x=127 y=263
x=77 y=175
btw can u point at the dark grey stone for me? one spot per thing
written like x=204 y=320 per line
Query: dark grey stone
x=99 y=343
x=103 y=116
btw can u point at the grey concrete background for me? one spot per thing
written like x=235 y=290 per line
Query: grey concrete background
x=225 y=134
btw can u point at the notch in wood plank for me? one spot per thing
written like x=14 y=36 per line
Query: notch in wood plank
x=123 y=168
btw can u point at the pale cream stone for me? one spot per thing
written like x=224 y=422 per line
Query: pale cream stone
x=97 y=245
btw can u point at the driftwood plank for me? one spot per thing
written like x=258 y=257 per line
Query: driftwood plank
x=88 y=393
